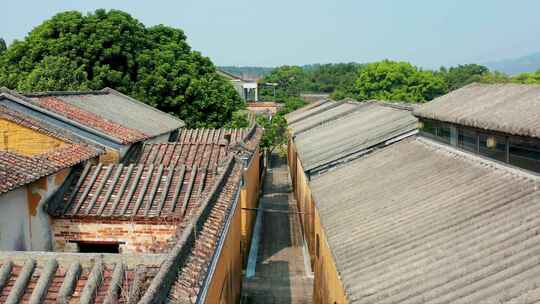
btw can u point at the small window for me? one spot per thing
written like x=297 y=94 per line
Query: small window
x=428 y=128
x=437 y=131
x=99 y=247
x=492 y=146
x=524 y=154
x=317 y=247
x=467 y=140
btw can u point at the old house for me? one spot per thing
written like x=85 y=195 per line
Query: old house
x=199 y=262
x=35 y=160
x=445 y=216
x=247 y=89
x=107 y=118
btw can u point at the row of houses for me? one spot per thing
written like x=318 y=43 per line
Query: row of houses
x=104 y=199
x=432 y=203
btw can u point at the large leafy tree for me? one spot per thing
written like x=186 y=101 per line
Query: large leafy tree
x=3 y=46
x=72 y=51
x=397 y=81
x=461 y=75
x=290 y=81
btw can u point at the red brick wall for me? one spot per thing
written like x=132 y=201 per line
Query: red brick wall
x=137 y=237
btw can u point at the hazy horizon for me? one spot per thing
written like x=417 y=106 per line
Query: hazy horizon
x=248 y=33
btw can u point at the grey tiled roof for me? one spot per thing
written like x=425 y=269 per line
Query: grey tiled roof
x=120 y=109
x=370 y=125
x=508 y=108
x=418 y=222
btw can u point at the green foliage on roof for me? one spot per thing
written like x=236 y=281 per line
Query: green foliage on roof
x=72 y=51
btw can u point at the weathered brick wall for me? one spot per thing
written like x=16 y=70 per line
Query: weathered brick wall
x=136 y=237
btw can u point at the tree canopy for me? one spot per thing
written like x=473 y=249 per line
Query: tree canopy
x=397 y=81
x=72 y=51
x=461 y=75
x=3 y=46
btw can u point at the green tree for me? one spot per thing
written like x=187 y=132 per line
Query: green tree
x=462 y=75
x=290 y=80
x=112 y=49
x=3 y=46
x=397 y=81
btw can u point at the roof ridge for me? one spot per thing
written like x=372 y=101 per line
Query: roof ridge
x=62 y=93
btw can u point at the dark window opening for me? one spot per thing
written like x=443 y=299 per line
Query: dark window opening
x=492 y=146
x=467 y=140
x=437 y=131
x=518 y=151
x=525 y=154
x=97 y=247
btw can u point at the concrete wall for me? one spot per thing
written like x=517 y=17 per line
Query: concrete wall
x=225 y=285
x=134 y=236
x=249 y=198
x=25 y=141
x=24 y=222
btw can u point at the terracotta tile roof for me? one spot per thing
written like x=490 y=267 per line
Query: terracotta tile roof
x=124 y=134
x=135 y=191
x=211 y=136
x=43 y=277
x=419 y=222
x=17 y=170
x=187 y=269
x=204 y=147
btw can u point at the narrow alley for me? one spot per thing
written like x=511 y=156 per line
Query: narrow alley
x=278 y=270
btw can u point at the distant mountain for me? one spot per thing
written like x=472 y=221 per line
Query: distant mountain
x=529 y=63
x=247 y=72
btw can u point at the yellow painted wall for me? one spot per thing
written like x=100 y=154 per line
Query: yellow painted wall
x=25 y=141
x=109 y=157
x=328 y=287
x=249 y=198
x=226 y=282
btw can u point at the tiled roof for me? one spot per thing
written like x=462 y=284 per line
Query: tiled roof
x=43 y=277
x=212 y=136
x=125 y=135
x=370 y=125
x=135 y=191
x=418 y=222
x=17 y=170
x=508 y=108
x=204 y=147
x=185 y=272
x=113 y=107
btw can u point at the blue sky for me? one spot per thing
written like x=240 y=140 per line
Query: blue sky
x=429 y=33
